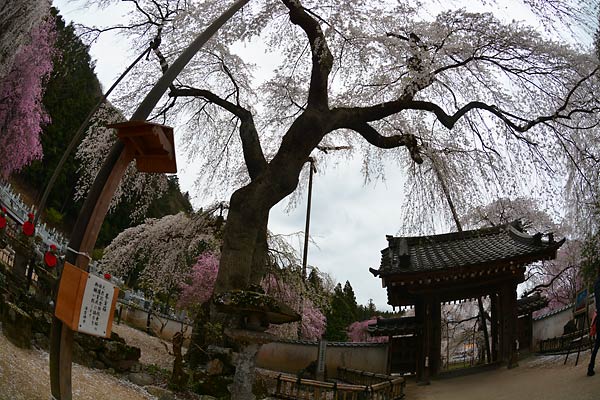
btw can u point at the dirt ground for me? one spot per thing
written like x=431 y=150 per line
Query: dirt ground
x=24 y=375
x=536 y=378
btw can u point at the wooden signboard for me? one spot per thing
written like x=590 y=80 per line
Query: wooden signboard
x=322 y=352
x=581 y=302
x=85 y=302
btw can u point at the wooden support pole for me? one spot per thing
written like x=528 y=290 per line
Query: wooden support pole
x=83 y=238
x=436 y=337
x=420 y=357
x=502 y=326
x=494 y=326
x=424 y=359
x=513 y=358
x=508 y=310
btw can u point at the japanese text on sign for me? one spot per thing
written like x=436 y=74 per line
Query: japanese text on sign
x=95 y=307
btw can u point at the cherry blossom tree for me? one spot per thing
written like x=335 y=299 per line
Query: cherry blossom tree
x=136 y=187
x=385 y=79
x=17 y=19
x=159 y=253
x=283 y=282
x=288 y=288
x=21 y=111
x=357 y=332
x=559 y=279
x=505 y=210
x=202 y=281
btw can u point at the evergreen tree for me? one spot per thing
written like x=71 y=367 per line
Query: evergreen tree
x=315 y=280
x=341 y=313
x=366 y=312
x=350 y=299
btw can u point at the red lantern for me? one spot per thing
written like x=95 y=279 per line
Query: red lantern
x=28 y=228
x=50 y=259
x=107 y=276
x=2 y=218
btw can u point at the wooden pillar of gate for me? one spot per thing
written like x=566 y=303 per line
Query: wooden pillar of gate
x=495 y=321
x=508 y=317
x=424 y=314
x=436 y=337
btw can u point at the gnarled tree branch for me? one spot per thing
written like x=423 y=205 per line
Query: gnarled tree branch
x=389 y=142
x=322 y=60
x=253 y=154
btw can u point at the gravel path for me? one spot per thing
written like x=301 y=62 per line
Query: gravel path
x=536 y=378
x=24 y=375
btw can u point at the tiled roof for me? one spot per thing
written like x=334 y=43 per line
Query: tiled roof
x=503 y=243
x=550 y=313
x=531 y=303
x=393 y=326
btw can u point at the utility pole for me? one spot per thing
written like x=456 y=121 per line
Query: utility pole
x=307 y=226
x=312 y=169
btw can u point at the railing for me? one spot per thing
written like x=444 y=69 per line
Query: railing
x=7 y=258
x=283 y=386
x=564 y=343
x=18 y=210
x=357 y=377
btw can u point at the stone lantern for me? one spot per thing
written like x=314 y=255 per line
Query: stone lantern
x=256 y=310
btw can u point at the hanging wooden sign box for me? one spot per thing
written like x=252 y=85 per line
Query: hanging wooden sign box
x=85 y=302
x=152 y=144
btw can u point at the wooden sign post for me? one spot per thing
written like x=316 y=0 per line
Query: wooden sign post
x=321 y=356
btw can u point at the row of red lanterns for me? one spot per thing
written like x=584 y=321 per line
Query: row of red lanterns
x=28 y=229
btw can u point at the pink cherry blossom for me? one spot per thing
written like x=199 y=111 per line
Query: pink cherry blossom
x=21 y=112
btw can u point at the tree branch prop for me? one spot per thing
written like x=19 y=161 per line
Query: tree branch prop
x=546 y=285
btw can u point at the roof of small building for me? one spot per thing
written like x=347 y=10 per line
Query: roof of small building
x=529 y=304
x=393 y=326
x=502 y=243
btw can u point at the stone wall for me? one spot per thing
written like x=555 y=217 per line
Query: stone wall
x=294 y=356
x=138 y=318
x=551 y=325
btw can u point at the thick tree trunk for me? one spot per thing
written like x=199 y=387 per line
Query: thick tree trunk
x=244 y=251
x=196 y=354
